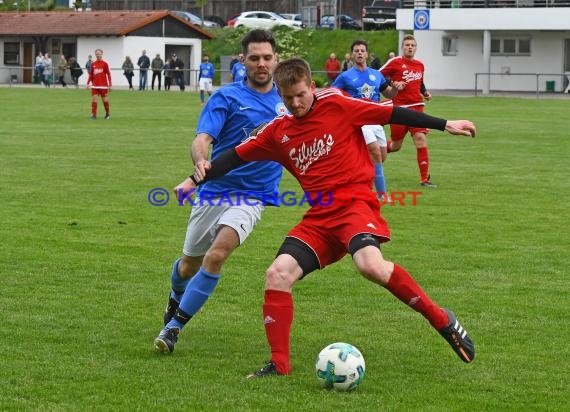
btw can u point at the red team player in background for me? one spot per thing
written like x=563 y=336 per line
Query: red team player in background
x=407 y=74
x=320 y=143
x=100 y=81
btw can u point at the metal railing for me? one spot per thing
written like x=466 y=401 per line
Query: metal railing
x=549 y=83
x=14 y=75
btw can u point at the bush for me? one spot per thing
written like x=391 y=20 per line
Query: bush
x=313 y=45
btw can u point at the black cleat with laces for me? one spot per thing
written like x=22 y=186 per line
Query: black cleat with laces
x=428 y=183
x=269 y=369
x=170 y=310
x=458 y=338
x=166 y=339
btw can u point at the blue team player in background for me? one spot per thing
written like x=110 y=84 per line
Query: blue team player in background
x=216 y=230
x=206 y=77
x=363 y=82
x=238 y=70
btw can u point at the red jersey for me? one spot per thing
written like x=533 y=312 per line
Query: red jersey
x=99 y=75
x=412 y=72
x=324 y=150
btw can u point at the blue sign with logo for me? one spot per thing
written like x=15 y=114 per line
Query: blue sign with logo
x=421 y=19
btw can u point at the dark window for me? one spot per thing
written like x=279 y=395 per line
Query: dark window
x=11 y=53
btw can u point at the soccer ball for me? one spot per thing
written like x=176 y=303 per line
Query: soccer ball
x=340 y=366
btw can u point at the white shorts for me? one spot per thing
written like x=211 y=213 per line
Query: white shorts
x=207 y=216
x=374 y=132
x=205 y=84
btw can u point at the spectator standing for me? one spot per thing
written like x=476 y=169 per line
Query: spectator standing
x=167 y=74
x=177 y=66
x=48 y=70
x=347 y=62
x=143 y=63
x=100 y=82
x=332 y=68
x=391 y=55
x=75 y=70
x=375 y=62
x=206 y=77
x=39 y=67
x=156 y=66
x=88 y=63
x=129 y=71
x=61 y=68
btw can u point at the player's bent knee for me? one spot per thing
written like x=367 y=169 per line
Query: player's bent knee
x=277 y=279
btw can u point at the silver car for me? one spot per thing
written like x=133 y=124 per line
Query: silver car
x=265 y=20
x=192 y=18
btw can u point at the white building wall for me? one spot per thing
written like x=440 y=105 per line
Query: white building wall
x=548 y=28
x=458 y=72
x=116 y=49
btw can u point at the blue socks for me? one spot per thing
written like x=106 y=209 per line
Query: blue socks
x=197 y=293
x=379 y=180
x=178 y=284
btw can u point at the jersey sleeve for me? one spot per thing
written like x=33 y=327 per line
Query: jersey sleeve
x=212 y=121
x=259 y=147
x=388 y=69
x=338 y=82
x=369 y=112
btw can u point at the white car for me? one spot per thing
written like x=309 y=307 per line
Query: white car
x=192 y=18
x=265 y=20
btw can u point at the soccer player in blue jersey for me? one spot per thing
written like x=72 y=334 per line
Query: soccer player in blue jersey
x=238 y=70
x=362 y=82
x=216 y=229
x=206 y=77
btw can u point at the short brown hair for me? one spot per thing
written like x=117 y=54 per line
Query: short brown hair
x=292 y=71
x=409 y=37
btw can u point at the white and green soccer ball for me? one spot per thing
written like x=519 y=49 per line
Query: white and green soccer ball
x=340 y=366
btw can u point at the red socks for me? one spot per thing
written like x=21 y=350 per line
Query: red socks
x=106 y=104
x=94 y=108
x=405 y=288
x=423 y=163
x=278 y=318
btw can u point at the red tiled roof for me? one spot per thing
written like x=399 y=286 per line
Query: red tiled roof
x=94 y=23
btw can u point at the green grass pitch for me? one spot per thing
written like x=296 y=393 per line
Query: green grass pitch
x=85 y=263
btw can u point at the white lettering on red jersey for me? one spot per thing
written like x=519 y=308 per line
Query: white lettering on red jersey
x=99 y=75
x=412 y=72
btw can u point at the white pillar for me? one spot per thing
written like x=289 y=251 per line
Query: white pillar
x=486 y=80
x=401 y=34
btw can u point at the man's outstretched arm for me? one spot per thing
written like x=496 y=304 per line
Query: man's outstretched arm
x=402 y=115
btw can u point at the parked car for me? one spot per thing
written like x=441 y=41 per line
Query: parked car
x=381 y=14
x=265 y=20
x=232 y=21
x=216 y=19
x=295 y=17
x=346 y=22
x=192 y=18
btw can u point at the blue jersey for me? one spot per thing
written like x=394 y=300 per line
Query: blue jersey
x=229 y=116
x=238 y=72
x=206 y=71
x=366 y=84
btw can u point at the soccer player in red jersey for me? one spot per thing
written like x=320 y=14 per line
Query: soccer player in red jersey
x=100 y=82
x=407 y=74
x=320 y=143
